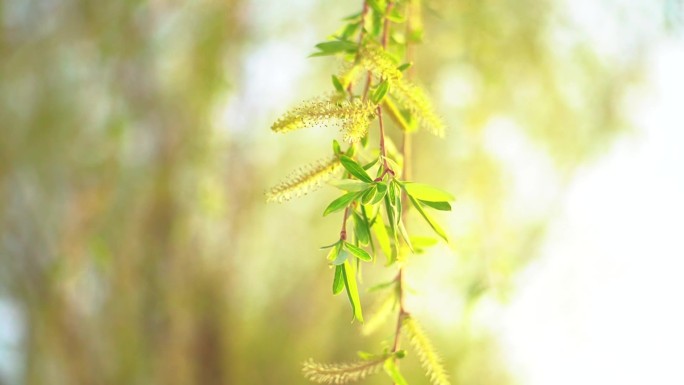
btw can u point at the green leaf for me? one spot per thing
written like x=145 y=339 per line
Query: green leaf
x=370 y=164
x=358 y=252
x=422 y=243
x=380 y=92
x=380 y=194
x=341 y=203
x=353 y=17
x=361 y=229
x=392 y=194
x=350 y=185
x=426 y=192
x=334 y=47
x=349 y=30
x=368 y=195
x=383 y=238
x=337 y=84
x=367 y=226
x=392 y=218
x=349 y=275
x=404 y=234
x=338 y=281
x=442 y=206
x=396 y=17
x=382 y=286
x=393 y=372
x=405 y=66
x=435 y=226
x=376 y=6
x=355 y=169
x=350 y=151
x=336 y=147
x=340 y=257
x=330 y=245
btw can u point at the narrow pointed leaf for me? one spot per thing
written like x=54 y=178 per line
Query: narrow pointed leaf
x=404 y=235
x=426 y=192
x=380 y=92
x=361 y=229
x=350 y=184
x=382 y=237
x=358 y=252
x=337 y=84
x=340 y=203
x=355 y=169
x=393 y=372
x=368 y=196
x=442 y=206
x=340 y=257
x=435 y=226
x=349 y=274
x=338 y=281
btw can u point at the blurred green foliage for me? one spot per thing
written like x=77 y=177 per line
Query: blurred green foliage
x=135 y=242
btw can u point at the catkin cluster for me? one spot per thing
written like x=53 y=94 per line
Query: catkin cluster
x=380 y=63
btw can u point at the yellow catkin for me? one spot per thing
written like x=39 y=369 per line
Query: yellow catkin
x=378 y=61
x=413 y=98
x=351 y=117
x=340 y=373
x=304 y=180
x=429 y=359
x=383 y=310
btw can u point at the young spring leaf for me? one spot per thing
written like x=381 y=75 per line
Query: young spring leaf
x=369 y=195
x=380 y=91
x=338 y=281
x=376 y=6
x=350 y=184
x=442 y=206
x=337 y=84
x=422 y=243
x=361 y=229
x=336 y=147
x=426 y=192
x=405 y=66
x=435 y=226
x=340 y=257
x=341 y=202
x=393 y=372
x=382 y=191
x=371 y=164
x=333 y=47
x=382 y=237
x=404 y=235
x=349 y=274
x=396 y=17
x=349 y=30
x=358 y=252
x=355 y=169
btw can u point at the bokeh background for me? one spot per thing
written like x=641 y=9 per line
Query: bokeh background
x=136 y=246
